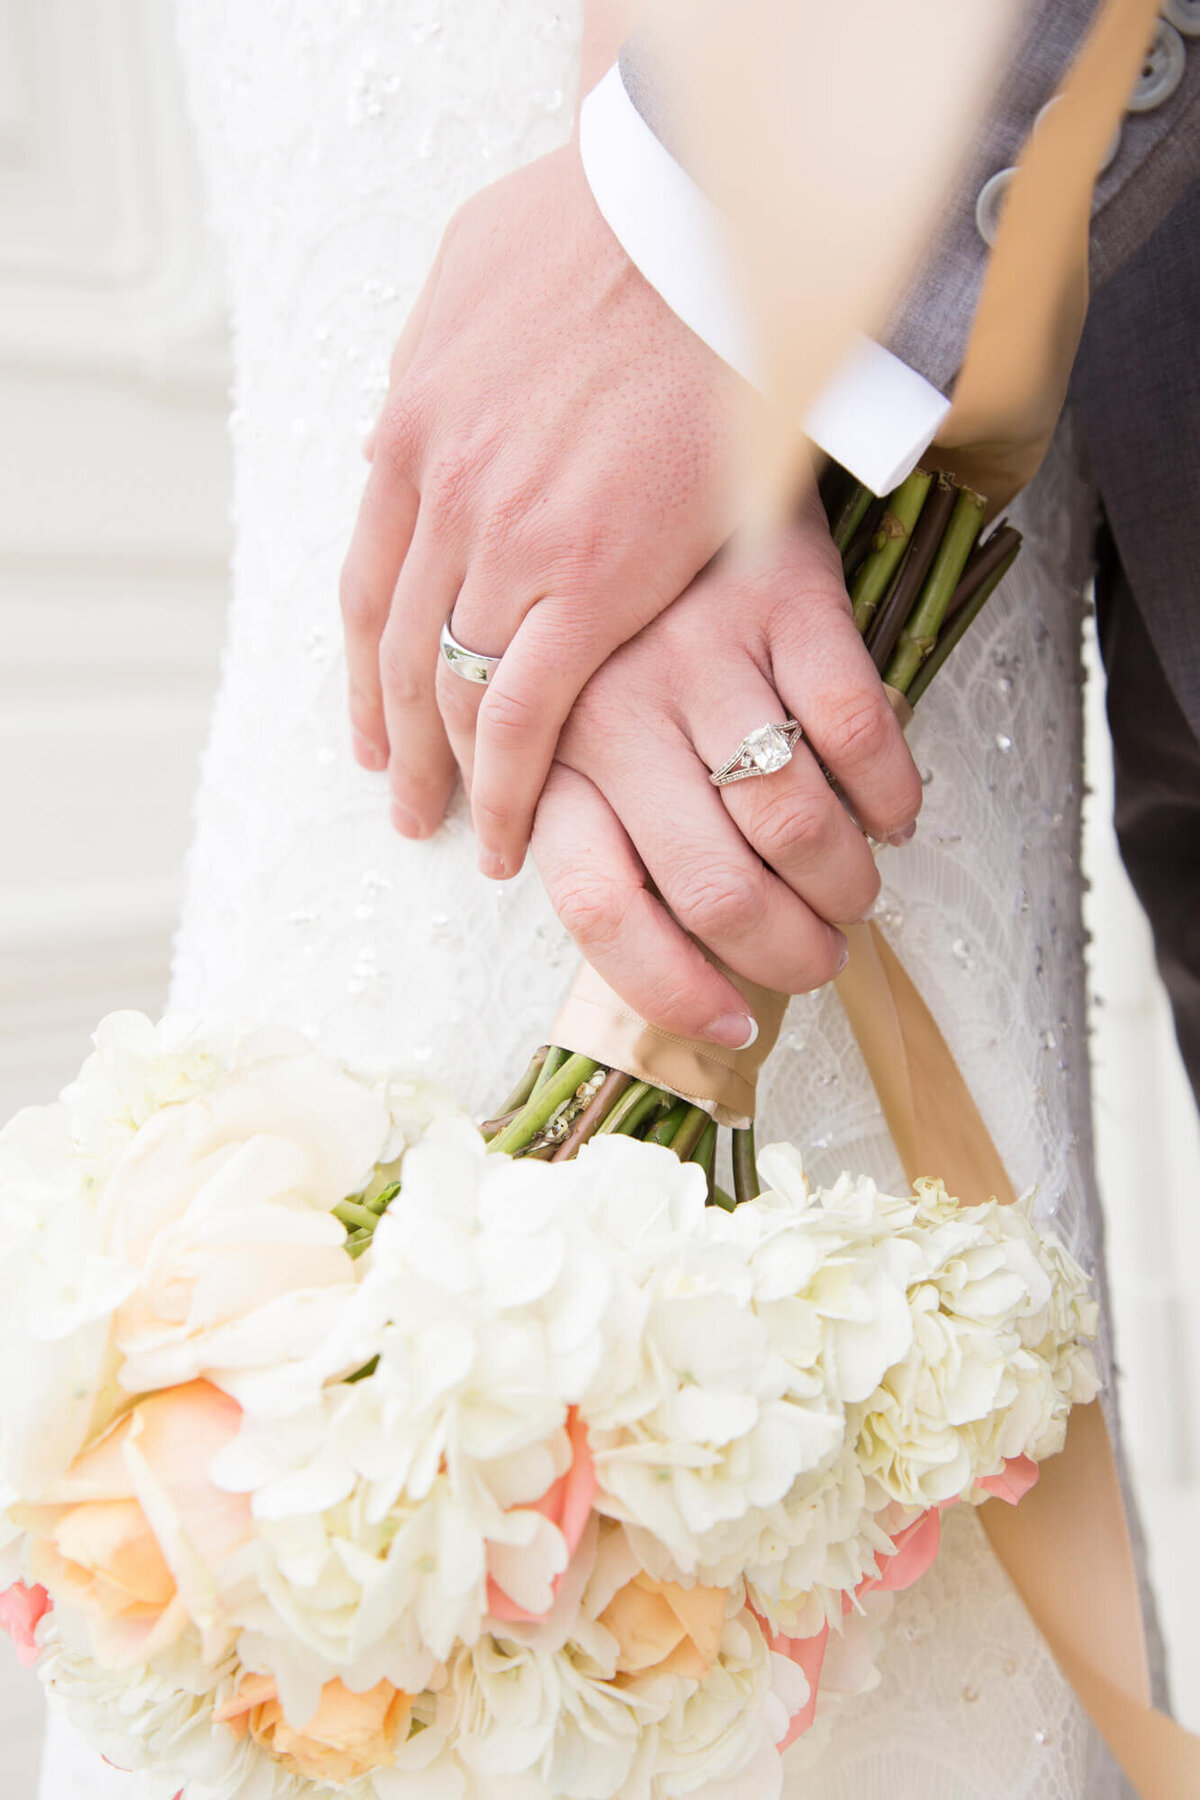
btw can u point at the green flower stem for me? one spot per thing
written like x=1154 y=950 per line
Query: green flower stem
x=705 y=1154
x=544 y=1102
x=528 y=1082
x=664 y=1131
x=983 y=560
x=636 y=1104
x=891 y=541
x=958 y=626
x=849 y=515
x=592 y=1117
x=706 y=1149
x=921 y=630
x=493 y=1127
x=745 y=1168
x=892 y=616
x=855 y=553
x=355 y=1217
x=718 y=1197
x=692 y=1127
x=551 y=1062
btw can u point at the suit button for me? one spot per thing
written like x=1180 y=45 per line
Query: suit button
x=1184 y=16
x=990 y=204
x=1162 y=70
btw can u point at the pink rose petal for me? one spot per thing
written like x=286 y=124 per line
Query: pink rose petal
x=21 y=1610
x=809 y=1655
x=916 y=1552
x=567 y=1503
x=1018 y=1476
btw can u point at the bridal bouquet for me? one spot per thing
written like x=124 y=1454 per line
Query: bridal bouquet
x=348 y=1448
x=342 y=1452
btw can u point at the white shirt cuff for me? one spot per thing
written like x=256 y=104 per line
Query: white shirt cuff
x=877 y=416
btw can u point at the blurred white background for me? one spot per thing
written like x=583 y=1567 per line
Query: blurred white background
x=114 y=485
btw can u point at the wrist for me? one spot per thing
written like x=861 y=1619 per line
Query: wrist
x=606 y=25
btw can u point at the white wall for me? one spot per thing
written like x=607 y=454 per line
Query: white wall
x=114 y=494
x=114 y=483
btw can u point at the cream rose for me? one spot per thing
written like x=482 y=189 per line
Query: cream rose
x=223 y=1204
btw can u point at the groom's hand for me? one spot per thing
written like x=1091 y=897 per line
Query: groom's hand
x=548 y=468
x=634 y=842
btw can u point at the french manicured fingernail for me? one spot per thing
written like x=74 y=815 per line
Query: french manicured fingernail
x=493 y=866
x=406 y=823
x=843 y=959
x=736 y=1031
x=905 y=836
x=368 y=754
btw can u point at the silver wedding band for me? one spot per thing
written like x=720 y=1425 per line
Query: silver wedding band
x=471 y=665
x=762 y=752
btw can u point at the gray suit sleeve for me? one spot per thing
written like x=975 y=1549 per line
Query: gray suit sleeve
x=1158 y=158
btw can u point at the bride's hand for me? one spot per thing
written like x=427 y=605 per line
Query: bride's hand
x=633 y=841
x=548 y=466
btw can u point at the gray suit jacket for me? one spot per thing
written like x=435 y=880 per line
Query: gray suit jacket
x=1137 y=380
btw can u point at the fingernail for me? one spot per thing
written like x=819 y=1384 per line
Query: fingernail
x=843 y=959
x=368 y=754
x=903 y=837
x=736 y=1031
x=406 y=823
x=493 y=866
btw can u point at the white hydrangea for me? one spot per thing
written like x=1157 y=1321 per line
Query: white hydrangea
x=1000 y=1314
x=384 y=1505
x=758 y=1327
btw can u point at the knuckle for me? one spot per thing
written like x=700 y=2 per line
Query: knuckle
x=402 y=424
x=905 y=804
x=805 y=823
x=508 y=719
x=668 y=999
x=591 y=907
x=453 y=484
x=719 y=904
x=491 y=816
x=359 y=612
x=817 y=967
x=863 y=891
x=446 y=488
x=858 y=730
x=363 y=699
x=404 y=684
x=513 y=534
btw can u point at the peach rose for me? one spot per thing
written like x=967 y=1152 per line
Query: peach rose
x=348 y=1735
x=664 y=1627
x=134 y=1533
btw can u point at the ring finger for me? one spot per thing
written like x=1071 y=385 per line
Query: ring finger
x=790 y=815
x=714 y=883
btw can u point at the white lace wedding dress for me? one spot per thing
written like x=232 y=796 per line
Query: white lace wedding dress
x=338 y=138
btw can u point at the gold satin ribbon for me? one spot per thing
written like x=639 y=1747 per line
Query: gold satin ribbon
x=1066 y=1547
x=595 y=1021
x=1026 y=330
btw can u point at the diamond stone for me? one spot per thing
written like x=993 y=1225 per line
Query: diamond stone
x=767 y=749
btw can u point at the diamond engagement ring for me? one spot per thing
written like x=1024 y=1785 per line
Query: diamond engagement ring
x=472 y=665
x=765 y=750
